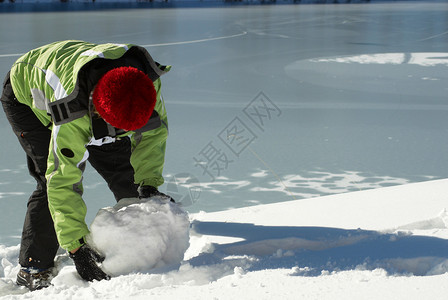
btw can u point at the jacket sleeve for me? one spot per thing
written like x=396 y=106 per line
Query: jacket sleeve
x=148 y=153
x=65 y=166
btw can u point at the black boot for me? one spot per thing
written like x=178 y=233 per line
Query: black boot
x=34 y=279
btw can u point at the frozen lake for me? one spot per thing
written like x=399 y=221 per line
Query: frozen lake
x=267 y=103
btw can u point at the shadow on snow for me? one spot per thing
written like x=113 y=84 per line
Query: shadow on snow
x=314 y=250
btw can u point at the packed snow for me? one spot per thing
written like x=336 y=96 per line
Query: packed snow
x=138 y=236
x=386 y=243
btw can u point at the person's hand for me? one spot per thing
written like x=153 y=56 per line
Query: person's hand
x=147 y=191
x=86 y=260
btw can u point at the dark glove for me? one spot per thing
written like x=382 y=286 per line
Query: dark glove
x=86 y=260
x=147 y=191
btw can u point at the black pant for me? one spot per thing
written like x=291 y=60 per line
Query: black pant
x=112 y=161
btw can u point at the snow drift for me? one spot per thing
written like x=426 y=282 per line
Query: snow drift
x=388 y=243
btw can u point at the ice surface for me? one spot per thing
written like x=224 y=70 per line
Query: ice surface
x=337 y=126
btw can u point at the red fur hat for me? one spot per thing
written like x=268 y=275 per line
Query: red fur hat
x=125 y=98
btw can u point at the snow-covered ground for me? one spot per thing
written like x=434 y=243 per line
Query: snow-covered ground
x=387 y=243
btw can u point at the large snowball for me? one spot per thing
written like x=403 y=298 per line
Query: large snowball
x=140 y=235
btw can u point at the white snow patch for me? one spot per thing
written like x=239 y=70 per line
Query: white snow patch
x=260 y=174
x=422 y=59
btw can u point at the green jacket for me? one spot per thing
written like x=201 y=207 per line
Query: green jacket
x=56 y=80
